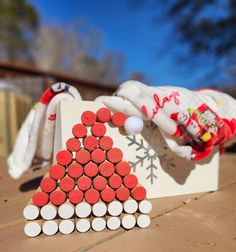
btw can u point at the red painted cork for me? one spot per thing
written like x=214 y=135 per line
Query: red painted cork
x=114 y=155
x=57 y=171
x=92 y=196
x=123 y=168
x=108 y=195
x=88 y=118
x=75 y=170
x=82 y=156
x=122 y=193
x=98 y=156
x=104 y=115
x=130 y=181
x=57 y=198
x=64 y=157
x=40 y=199
x=100 y=183
x=84 y=183
x=91 y=169
x=79 y=130
x=90 y=143
x=48 y=184
x=118 y=119
x=73 y=144
x=115 y=181
x=106 y=143
x=67 y=184
x=76 y=196
x=98 y=129
x=139 y=193
x=106 y=169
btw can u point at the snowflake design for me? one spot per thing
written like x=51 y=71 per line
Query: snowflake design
x=148 y=155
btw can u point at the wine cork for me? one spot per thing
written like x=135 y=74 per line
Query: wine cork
x=105 y=143
x=98 y=224
x=75 y=170
x=83 y=225
x=115 y=181
x=118 y=119
x=83 y=209
x=31 y=212
x=139 y=193
x=40 y=198
x=64 y=157
x=76 y=196
x=67 y=184
x=66 y=210
x=108 y=194
x=98 y=129
x=57 y=197
x=50 y=227
x=98 y=156
x=103 y=115
x=48 y=212
x=67 y=226
x=48 y=184
x=114 y=155
x=91 y=169
x=122 y=193
x=90 y=143
x=123 y=168
x=99 y=209
x=128 y=221
x=113 y=222
x=88 y=118
x=115 y=208
x=33 y=228
x=106 y=169
x=84 y=183
x=82 y=156
x=130 y=181
x=99 y=183
x=57 y=171
x=79 y=130
x=130 y=206
x=145 y=206
x=143 y=220
x=73 y=144
x=91 y=196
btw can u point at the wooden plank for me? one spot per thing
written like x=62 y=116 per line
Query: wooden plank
x=209 y=224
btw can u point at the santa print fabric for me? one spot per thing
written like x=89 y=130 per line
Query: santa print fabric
x=192 y=122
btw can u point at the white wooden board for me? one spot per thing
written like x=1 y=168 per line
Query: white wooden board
x=158 y=169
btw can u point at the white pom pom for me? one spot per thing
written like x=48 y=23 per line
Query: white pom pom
x=133 y=125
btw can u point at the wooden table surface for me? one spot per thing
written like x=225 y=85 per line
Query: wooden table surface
x=197 y=222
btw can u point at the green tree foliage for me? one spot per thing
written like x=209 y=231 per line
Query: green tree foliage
x=18 y=22
x=208 y=25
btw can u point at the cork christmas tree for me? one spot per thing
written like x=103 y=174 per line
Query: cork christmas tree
x=90 y=186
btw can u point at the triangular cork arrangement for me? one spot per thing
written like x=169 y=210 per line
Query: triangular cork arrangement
x=91 y=186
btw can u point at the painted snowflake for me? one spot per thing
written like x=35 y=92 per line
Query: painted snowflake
x=147 y=155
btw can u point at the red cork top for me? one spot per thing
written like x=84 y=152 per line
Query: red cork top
x=104 y=115
x=118 y=119
x=79 y=130
x=73 y=144
x=88 y=118
x=57 y=171
x=98 y=129
x=106 y=143
x=64 y=157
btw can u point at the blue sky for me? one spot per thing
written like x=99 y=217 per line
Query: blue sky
x=147 y=47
